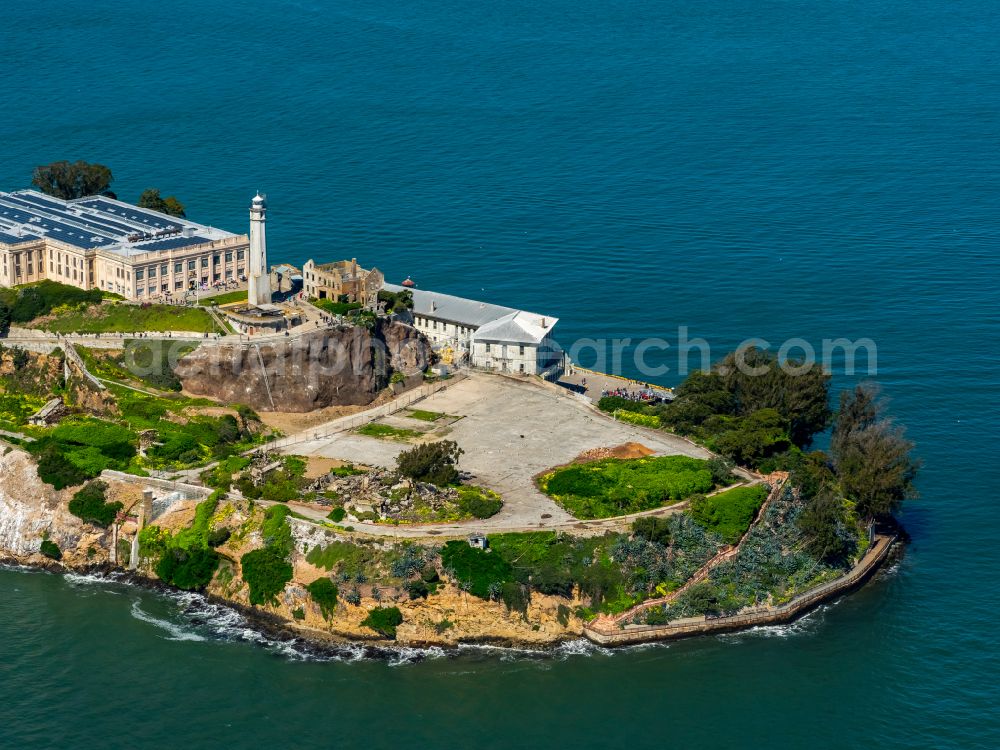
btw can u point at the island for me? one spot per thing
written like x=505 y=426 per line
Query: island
x=350 y=461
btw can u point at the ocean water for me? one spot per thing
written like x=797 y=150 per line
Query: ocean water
x=778 y=168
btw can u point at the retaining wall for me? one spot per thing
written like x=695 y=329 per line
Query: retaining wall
x=691 y=626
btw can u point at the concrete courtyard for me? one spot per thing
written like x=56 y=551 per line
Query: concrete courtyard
x=510 y=431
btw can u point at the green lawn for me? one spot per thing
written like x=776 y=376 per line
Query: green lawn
x=616 y=487
x=131 y=318
x=730 y=513
x=240 y=295
x=386 y=432
x=427 y=416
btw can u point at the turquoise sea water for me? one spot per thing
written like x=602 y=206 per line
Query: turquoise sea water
x=776 y=168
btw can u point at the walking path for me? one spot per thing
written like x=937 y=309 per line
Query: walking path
x=765 y=615
x=612 y=622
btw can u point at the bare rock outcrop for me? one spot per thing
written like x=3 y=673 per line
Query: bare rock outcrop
x=31 y=511
x=348 y=365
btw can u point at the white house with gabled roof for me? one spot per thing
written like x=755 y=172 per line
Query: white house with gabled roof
x=485 y=335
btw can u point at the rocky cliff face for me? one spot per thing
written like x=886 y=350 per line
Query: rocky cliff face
x=31 y=510
x=337 y=367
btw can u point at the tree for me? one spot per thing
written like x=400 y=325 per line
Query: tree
x=88 y=504
x=824 y=522
x=152 y=200
x=431 y=462
x=67 y=181
x=384 y=620
x=797 y=391
x=871 y=455
x=5 y=316
x=859 y=410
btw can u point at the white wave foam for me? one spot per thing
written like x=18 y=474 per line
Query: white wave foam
x=177 y=632
x=804 y=625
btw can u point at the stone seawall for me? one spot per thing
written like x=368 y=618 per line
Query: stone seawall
x=798 y=606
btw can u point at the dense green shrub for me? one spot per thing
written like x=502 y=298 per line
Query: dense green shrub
x=280 y=485
x=642 y=420
x=612 y=404
x=515 y=596
x=39 y=299
x=153 y=542
x=336 y=308
x=55 y=469
x=478 y=502
x=475 y=570
x=418 y=589
x=830 y=537
x=652 y=529
x=431 y=462
x=751 y=418
x=218 y=537
x=266 y=571
x=612 y=487
x=189 y=569
x=80 y=449
x=730 y=513
x=324 y=592
x=51 y=550
x=396 y=301
x=88 y=504
x=196 y=536
x=384 y=620
x=337 y=515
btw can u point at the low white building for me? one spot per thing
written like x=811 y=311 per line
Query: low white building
x=484 y=335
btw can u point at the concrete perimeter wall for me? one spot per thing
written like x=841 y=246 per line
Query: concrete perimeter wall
x=764 y=616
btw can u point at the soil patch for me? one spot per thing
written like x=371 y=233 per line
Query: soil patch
x=625 y=450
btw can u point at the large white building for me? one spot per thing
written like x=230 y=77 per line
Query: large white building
x=98 y=242
x=489 y=336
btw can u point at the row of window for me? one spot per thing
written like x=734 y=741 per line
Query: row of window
x=150 y=271
x=180 y=284
x=503 y=349
x=432 y=324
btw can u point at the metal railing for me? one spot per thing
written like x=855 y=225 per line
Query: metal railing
x=350 y=422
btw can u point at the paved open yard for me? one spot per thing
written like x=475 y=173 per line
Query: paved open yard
x=510 y=431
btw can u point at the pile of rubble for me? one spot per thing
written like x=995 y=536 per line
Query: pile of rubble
x=378 y=494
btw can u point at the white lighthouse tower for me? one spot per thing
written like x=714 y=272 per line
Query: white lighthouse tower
x=259 y=289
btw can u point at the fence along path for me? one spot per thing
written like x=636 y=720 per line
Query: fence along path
x=342 y=424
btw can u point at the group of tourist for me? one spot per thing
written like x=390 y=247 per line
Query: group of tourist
x=646 y=394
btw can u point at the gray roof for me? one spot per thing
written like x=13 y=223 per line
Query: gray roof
x=492 y=322
x=518 y=328
x=466 y=312
x=96 y=222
